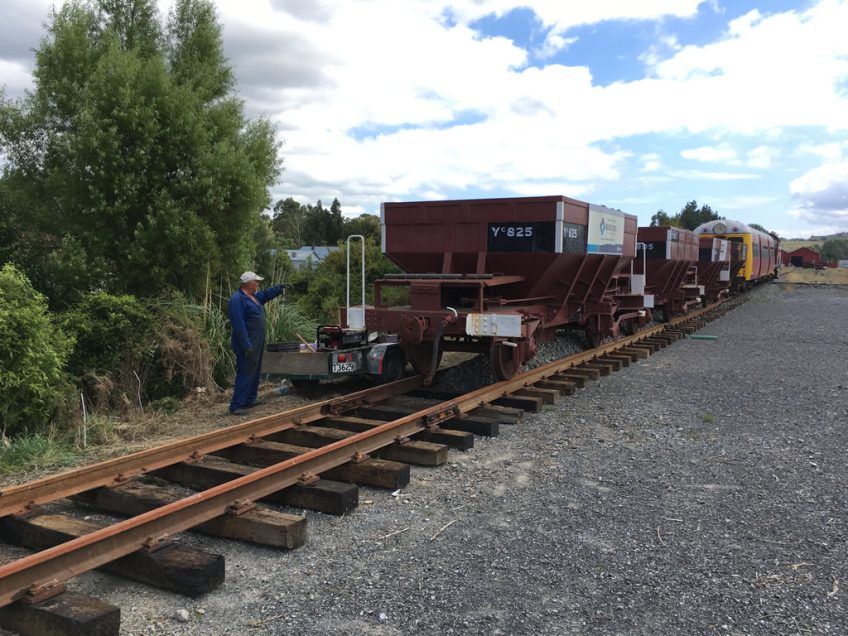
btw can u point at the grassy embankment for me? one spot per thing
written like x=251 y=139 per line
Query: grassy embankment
x=803 y=275
x=101 y=433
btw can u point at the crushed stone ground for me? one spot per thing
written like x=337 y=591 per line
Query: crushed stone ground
x=701 y=491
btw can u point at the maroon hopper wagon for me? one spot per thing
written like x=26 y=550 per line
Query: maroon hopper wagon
x=669 y=263
x=714 y=268
x=499 y=275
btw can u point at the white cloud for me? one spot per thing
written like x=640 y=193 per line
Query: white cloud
x=722 y=153
x=706 y=175
x=833 y=151
x=821 y=198
x=744 y=202
x=446 y=108
x=414 y=85
x=16 y=78
x=751 y=80
x=564 y=15
x=554 y=44
x=822 y=192
x=651 y=162
x=761 y=157
x=659 y=50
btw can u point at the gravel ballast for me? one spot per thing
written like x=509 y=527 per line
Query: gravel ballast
x=700 y=491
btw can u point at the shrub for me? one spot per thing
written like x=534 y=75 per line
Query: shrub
x=34 y=390
x=114 y=346
x=184 y=358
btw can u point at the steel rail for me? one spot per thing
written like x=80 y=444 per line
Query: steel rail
x=85 y=553
x=25 y=497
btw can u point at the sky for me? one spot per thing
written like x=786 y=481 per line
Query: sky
x=637 y=105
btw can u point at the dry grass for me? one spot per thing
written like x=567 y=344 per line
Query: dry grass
x=814 y=276
x=792 y=245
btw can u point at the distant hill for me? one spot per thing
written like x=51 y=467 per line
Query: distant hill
x=790 y=245
x=827 y=238
x=814 y=242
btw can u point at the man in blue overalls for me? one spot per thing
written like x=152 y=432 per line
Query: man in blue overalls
x=247 y=316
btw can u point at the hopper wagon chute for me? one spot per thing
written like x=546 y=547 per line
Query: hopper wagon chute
x=714 y=263
x=669 y=259
x=497 y=276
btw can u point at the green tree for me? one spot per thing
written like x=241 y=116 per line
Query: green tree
x=323 y=226
x=107 y=329
x=33 y=386
x=835 y=249
x=661 y=219
x=289 y=222
x=321 y=292
x=689 y=217
x=134 y=149
x=368 y=225
x=296 y=225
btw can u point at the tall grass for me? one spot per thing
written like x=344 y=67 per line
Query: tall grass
x=284 y=323
x=35 y=452
x=212 y=325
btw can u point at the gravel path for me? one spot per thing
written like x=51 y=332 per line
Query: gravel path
x=701 y=492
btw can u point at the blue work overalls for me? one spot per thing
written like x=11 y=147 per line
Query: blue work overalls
x=248 y=341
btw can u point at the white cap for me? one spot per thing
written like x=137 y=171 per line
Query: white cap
x=250 y=276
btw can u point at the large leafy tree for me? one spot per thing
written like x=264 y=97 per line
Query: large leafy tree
x=133 y=152
x=835 y=249
x=689 y=217
x=296 y=225
x=289 y=221
x=323 y=226
x=368 y=225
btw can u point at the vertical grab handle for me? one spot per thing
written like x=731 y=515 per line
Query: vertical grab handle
x=359 y=321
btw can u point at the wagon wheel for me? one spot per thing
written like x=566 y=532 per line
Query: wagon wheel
x=627 y=327
x=421 y=357
x=593 y=338
x=504 y=360
x=393 y=365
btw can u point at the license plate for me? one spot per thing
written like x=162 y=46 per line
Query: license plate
x=344 y=367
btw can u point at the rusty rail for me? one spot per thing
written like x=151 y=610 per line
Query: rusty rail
x=25 y=497
x=65 y=561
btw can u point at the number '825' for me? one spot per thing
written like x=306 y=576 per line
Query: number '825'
x=512 y=232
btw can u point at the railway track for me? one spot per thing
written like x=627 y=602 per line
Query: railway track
x=309 y=457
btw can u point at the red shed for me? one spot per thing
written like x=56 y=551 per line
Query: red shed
x=805 y=257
